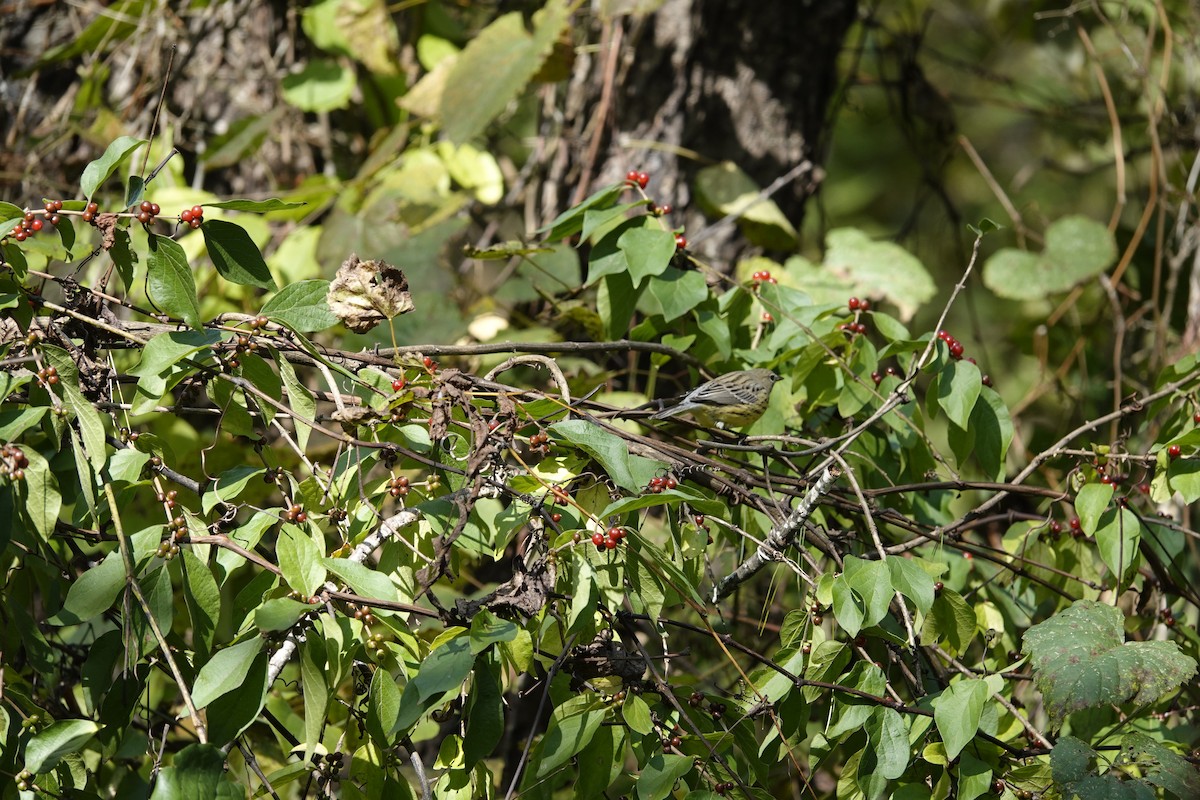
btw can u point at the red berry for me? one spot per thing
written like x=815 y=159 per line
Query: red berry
x=875 y=376
x=29 y=217
x=36 y=225
x=155 y=209
x=54 y=219
x=1055 y=526
x=766 y=317
x=301 y=517
x=681 y=241
x=642 y=179
x=50 y=207
x=854 y=304
x=185 y=215
x=598 y=539
x=865 y=305
x=556 y=517
x=397 y=384
x=145 y=206
x=195 y=223
x=1075 y=524
x=986 y=380
x=428 y=362
x=1174 y=451
x=93 y=207
x=670 y=483
x=631 y=177
x=612 y=544
x=956 y=350
x=860 y=327
x=665 y=208
x=197 y=211
x=143 y=217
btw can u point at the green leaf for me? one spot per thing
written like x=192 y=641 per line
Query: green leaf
x=958 y=389
x=42 y=500
x=1080 y=659
x=488 y=629
x=365 y=581
x=570 y=222
x=887 y=738
x=911 y=581
x=648 y=251
x=660 y=774
x=1090 y=504
x=974 y=778
x=879 y=268
x=630 y=472
x=98 y=171
x=93 y=592
x=1070 y=760
x=572 y=726
x=1117 y=538
x=235 y=255
x=203 y=599
x=992 y=429
x=300 y=560
x=314 y=680
x=61 y=738
x=674 y=293
x=170 y=284
x=255 y=206
x=442 y=671
x=91 y=424
x=495 y=67
x=322 y=85
x=279 y=613
x=1077 y=248
x=861 y=594
x=485 y=714
x=197 y=771
x=950 y=621
x=236 y=710
x=956 y=712
x=1162 y=766
x=636 y=713
x=383 y=707
x=163 y=352
x=225 y=671
x=724 y=190
x=301 y=306
x=229 y=485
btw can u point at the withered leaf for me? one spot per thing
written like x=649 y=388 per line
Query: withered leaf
x=364 y=293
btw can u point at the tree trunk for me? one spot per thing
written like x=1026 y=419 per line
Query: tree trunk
x=701 y=82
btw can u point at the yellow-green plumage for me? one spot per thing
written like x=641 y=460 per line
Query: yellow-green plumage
x=733 y=400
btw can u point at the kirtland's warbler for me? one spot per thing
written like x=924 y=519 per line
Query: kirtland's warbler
x=730 y=401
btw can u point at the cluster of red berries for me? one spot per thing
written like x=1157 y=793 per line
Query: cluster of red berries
x=430 y=364
x=126 y=436
x=855 y=304
x=32 y=223
x=1174 y=452
x=295 y=513
x=853 y=328
x=540 y=442
x=638 y=179
x=90 y=211
x=363 y=613
x=956 y=348
x=398 y=486
x=680 y=241
x=193 y=216
x=763 y=276
x=659 y=211
x=168 y=499
x=560 y=495
x=148 y=212
x=259 y=322
x=47 y=376
x=815 y=610
x=878 y=377
x=672 y=738
x=658 y=484
x=608 y=540
x=13 y=462
x=1168 y=617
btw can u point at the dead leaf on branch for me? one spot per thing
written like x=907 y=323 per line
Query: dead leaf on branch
x=365 y=293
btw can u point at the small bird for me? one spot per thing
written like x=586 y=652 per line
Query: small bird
x=731 y=400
